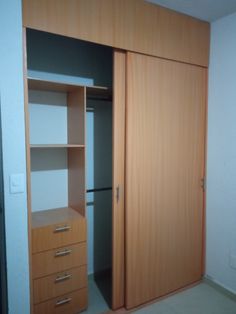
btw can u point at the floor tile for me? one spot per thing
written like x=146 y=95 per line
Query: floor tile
x=157 y=308
x=201 y=299
x=96 y=302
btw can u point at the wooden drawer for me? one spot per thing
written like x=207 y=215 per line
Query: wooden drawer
x=58 y=260
x=51 y=236
x=59 y=284
x=71 y=303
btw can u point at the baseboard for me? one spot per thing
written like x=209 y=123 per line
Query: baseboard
x=211 y=282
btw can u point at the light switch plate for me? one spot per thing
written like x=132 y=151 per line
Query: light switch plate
x=17 y=183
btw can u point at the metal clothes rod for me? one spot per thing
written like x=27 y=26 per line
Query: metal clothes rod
x=100 y=98
x=99 y=190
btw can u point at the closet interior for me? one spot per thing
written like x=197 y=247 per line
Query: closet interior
x=70 y=172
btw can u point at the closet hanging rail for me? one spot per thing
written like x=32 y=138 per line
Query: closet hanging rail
x=99 y=190
x=108 y=98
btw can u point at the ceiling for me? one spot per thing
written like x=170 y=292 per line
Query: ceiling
x=207 y=10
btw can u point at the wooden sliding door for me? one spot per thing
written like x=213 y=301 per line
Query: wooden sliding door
x=165 y=130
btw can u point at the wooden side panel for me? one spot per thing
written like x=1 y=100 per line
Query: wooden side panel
x=133 y=25
x=76 y=157
x=164 y=166
x=76 y=179
x=118 y=179
x=75 y=116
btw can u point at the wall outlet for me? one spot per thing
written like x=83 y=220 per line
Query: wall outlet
x=232 y=261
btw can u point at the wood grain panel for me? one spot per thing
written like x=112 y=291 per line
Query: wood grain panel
x=119 y=80
x=49 y=287
x=164 y=166
x=75 y=116
x=76 y=179
x=47 y=262
x=75 y=303
x=134 y=25
x=46 y=223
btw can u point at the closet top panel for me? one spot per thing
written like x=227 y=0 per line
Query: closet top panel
x=133 y=25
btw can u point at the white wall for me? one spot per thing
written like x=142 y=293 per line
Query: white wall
x=221 y=163
x=13 y=132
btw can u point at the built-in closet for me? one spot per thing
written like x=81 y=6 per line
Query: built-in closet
x=70 y=172
x=115 y=95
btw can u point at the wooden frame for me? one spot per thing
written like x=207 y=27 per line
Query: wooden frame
x=76 y=103
x=75 y=147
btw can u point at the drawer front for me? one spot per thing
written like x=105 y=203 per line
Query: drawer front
x=57 y=235
x=71 y=303
x=59 y=284
x=54 y=261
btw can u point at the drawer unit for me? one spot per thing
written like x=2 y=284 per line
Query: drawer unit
x=70 y=303
x=67 y=227
x=59 y=284
x=57 y=260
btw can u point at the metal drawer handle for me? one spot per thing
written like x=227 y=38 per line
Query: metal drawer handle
x=64 y=301
x=63 y=253
x=62 y=228
x=62 y=278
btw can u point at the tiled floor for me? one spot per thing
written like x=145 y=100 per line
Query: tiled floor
x=201 y=299
x=97 y=303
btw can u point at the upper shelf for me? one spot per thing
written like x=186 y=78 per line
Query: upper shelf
x=56 y=86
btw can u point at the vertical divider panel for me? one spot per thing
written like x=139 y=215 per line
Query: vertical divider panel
x=76 y=156
x=75 y=116
x=119 y=82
